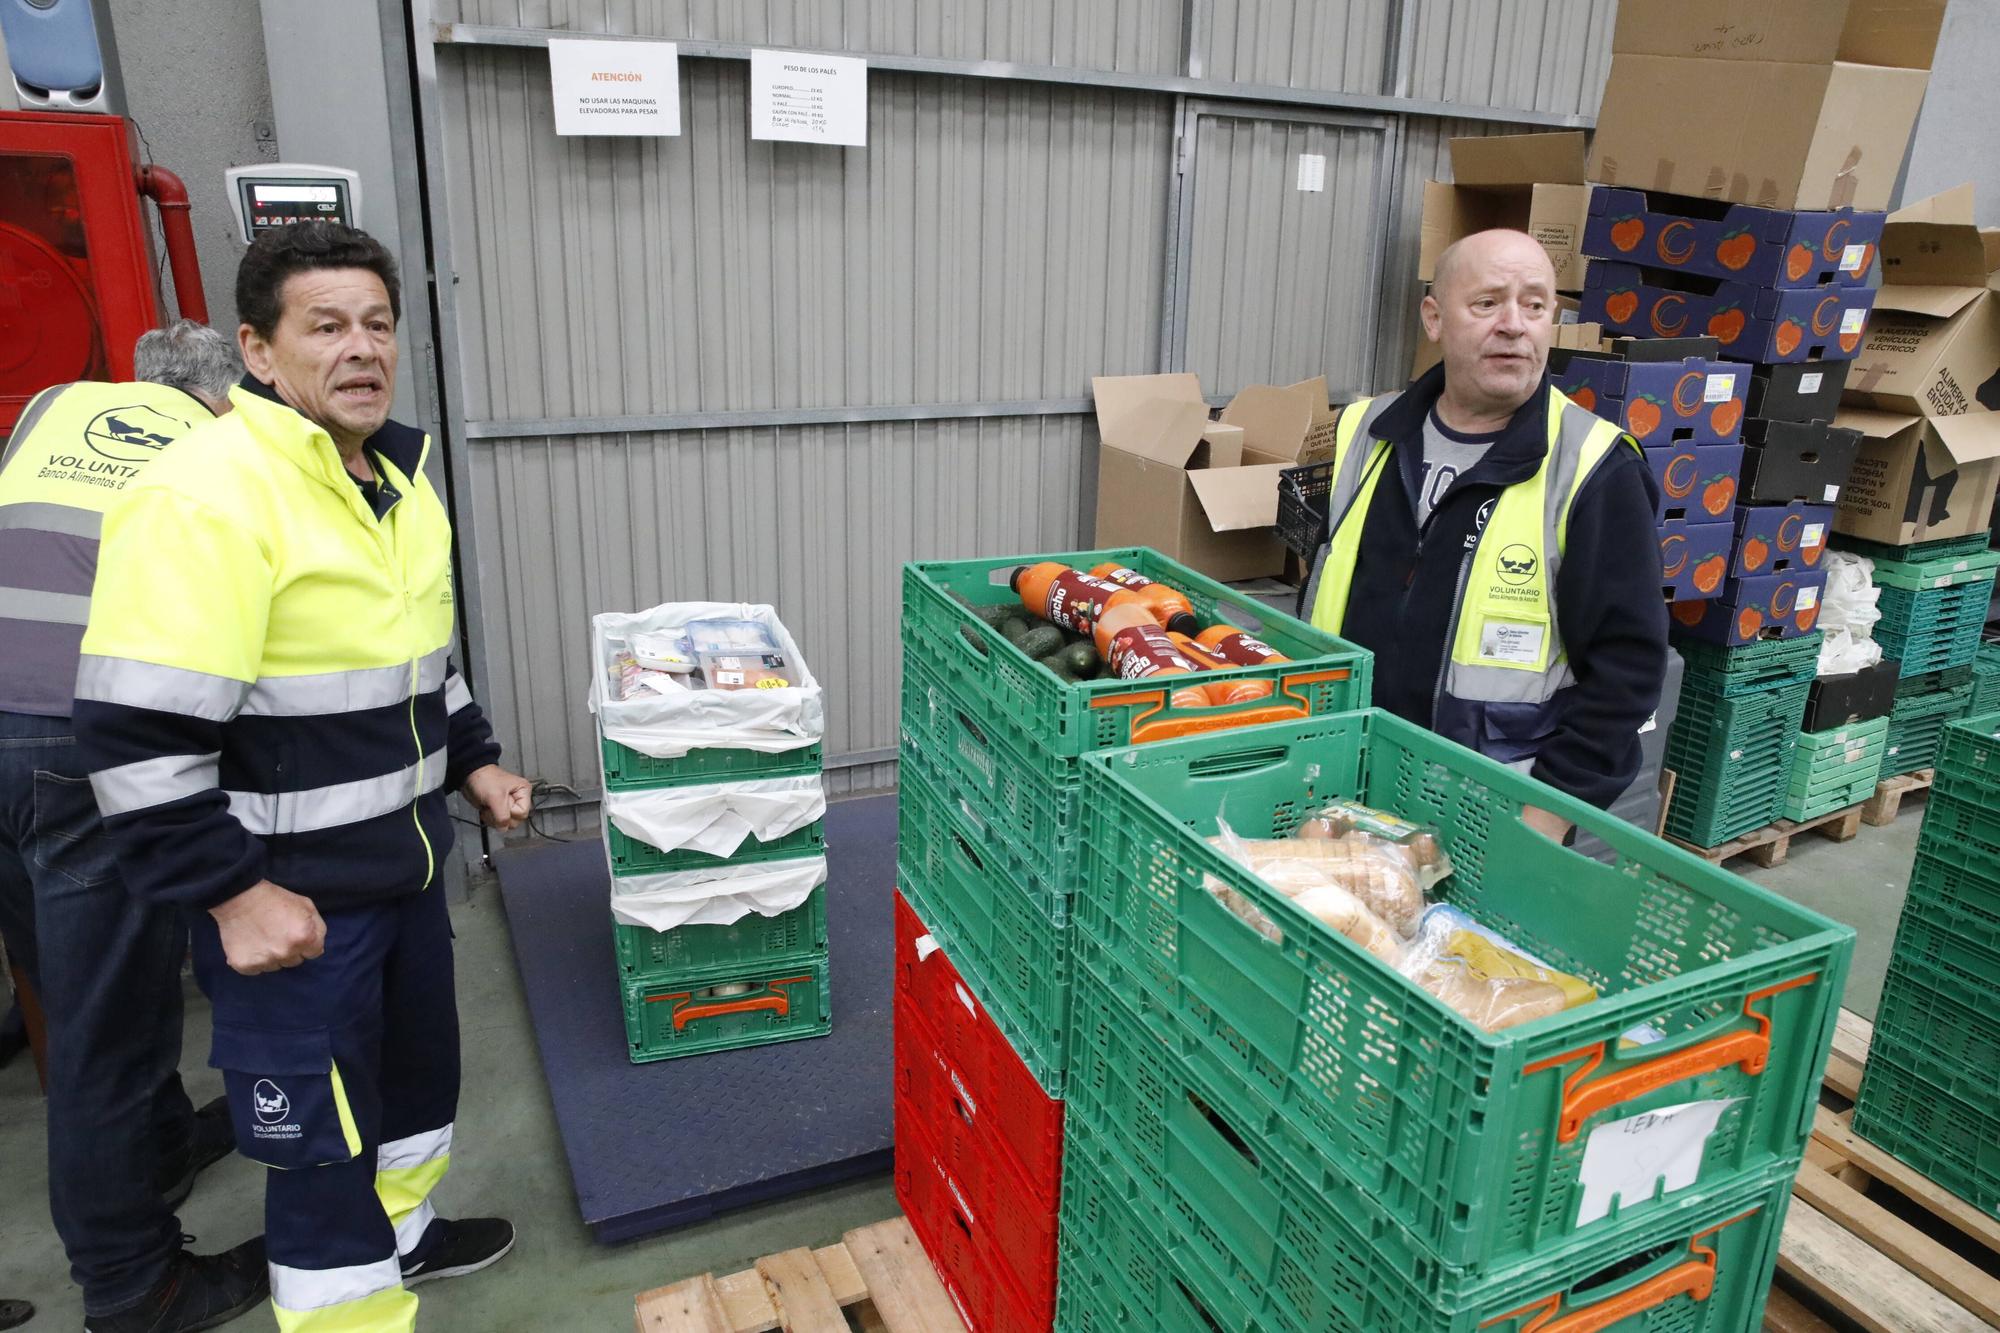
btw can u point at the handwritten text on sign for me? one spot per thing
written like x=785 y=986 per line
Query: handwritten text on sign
x=615 y=87
x=808 y=98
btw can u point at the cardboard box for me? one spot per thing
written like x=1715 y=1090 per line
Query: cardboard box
x=1801 y=391
x=1694 y=558
x=1530 y=182
x=1270 y=417
x=1766 y=247
x=1796 y=460
x=1778 y=103
x=1202 y=492
x=1774 y=538
x=1752 y=323
x=1776 y=606
x=1663 y=390
x=1698 y=482
x=1856 y=696
x=1918 y=479
x=1934 y=344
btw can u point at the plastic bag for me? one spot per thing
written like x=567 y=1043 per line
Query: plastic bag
x=1485 y=976
x=717 y=896
x=1379 y=875
x=1841 y=654
x=770 y=720
x=1416 y=845
x=1849 y=601
x=716 y=819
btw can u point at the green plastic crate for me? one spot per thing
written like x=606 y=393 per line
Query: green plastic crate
x=1703 y=1267
x=747 y=943
x=1986 y=677
x=786 y=1001
x=1970 y=752
x=1754 y=667
x=1962 y=939
x=1446 y=1125
x=1938 y=1025
x=1835 y=768
x=630 y=856
x=1912 y=689
x=1950 y=571
x=1917 y=552
x=1953 y=1141
x=626 y=769
x=1961 y=881
x=1917 y=726
x=1049 y=723
x=1968 y=824
x=1007 y=935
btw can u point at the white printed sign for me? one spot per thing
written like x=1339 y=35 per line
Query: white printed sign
x=1809 y=384
x=1312 y=172
x=1851 y=257
x=625 y=88
x=1627 y=1159
x=1718 y=389
x=1832 y=494
x=1852 y=321
x=1808 y=599
x=801 y=98
x=1814 y=534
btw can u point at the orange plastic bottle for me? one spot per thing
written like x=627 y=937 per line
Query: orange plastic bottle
x=1170 y=606
x=1222 y=691
x=1142 y=651
x=1071 y=598
x=1234 y=646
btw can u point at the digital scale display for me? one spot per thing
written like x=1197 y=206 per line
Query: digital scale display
x=281 y=194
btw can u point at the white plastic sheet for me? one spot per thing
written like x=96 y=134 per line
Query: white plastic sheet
x=715 y=897
x=668 y=726
x=717 y=819
x=1849 y=602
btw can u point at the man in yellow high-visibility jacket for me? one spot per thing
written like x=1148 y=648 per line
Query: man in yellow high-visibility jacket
x=1494 y=544
x=272 y=723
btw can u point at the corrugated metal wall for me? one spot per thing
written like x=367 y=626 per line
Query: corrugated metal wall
x=998 y=241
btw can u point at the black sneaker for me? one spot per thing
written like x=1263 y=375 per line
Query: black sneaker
x=13 y=1314
x=468 y=1245
x=214 y=1139
x=199 y=1291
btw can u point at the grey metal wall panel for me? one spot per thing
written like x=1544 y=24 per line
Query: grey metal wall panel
x=818 y=521
x=1331 y=45
x=1282 y=281
x=994 y=241
x=1125 y=36
x=1524 y=55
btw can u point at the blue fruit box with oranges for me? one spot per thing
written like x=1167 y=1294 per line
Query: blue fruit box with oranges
x=1762 y=247
x=1665 y=391
x=1750 y=323
x=1698 y=482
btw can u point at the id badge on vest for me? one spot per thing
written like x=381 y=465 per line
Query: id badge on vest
x=1511 y=642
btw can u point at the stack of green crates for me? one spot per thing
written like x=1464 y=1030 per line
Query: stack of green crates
x=1834 y=769
x=1732 y=741
x=1287 y=1135
x=1931 y=1090
x=991 y=843
x=1934 y=611
x=696 y=989
x=1986 y=680
x=1925 y=705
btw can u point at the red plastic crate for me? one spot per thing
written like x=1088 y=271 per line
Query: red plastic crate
x=964 y=1254
x=964 y=1128
x=1001 y=1087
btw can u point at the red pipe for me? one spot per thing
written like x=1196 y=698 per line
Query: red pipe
x=171 y=198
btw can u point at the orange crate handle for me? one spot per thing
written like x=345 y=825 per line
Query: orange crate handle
x=1693 y=1277
x=778 y=1002
x=1749 y=1048
x=1195 y=721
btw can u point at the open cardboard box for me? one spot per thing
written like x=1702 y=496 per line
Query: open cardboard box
x=1778 y=103
x=1202 y=492
x=1933 y=345
x=1530 y=182
x=1919 y=478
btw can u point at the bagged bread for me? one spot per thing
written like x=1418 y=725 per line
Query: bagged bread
x=1376 y=874
x=1415 y=845
x=1491 y=1003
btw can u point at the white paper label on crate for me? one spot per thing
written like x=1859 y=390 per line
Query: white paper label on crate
x=1510 y=641
x=802 y=98
x=1809 y=384
x=1852 y=257
x=965 y=998
x=1852 y=321
x=1807 y=600
x=1832 y=494
x=1856 y=753
x=1628 y=1159
x=1812 y=536
x=1718 y=388
x=1312 y=172
x=925 y=945
x=615 y=87
x=1736 y=754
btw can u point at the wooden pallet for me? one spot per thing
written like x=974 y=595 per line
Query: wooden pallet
x=1770 y=845
x=877 y=1274
x=1843 y=1251
x=1882 y=808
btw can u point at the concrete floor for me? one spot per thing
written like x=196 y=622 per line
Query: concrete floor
x=509 y=1159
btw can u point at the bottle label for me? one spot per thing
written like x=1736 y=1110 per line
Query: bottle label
x=1077 y=600
x=1127 y=578
x=1145 y=650
x=1244 y=650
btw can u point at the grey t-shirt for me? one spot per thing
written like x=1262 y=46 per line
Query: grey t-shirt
x=1447 y=455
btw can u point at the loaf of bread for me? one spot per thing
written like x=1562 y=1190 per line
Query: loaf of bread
x=1492 y=1003
x=1376 y=873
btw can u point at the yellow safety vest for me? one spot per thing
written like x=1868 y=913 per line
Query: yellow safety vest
x=71 y=455
x=1506 y=648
